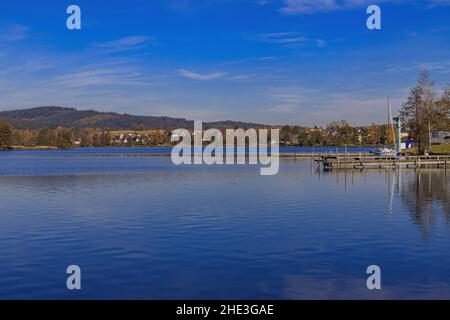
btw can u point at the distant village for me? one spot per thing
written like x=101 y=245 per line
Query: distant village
x=338 y=133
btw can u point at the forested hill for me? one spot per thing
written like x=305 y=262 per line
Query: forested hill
x=52 y=117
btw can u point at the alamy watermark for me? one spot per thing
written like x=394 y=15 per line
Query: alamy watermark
x=374 y=20
x=74 y=280
x=73 y=22
x=374 y=280
x=262 y=148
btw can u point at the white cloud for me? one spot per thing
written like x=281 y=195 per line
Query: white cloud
x=200 y=77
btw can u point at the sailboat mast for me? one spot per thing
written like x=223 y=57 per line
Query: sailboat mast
x=391 y=124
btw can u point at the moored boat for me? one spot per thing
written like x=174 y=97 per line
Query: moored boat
x=385 y=152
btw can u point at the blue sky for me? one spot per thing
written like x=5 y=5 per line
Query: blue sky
x=300 y=62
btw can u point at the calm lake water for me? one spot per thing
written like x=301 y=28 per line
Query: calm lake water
x=141 y=227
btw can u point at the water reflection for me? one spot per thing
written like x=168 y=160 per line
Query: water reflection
x=425 y=193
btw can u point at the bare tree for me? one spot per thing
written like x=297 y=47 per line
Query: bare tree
x=441 y=117
x=429 y=97
x=413 y=114
x=420 y=111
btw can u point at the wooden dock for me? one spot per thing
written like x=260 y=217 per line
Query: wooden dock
x=351 y=161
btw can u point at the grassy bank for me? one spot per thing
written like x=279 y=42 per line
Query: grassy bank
x=441 y=149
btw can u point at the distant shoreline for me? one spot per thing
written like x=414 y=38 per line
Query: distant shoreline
x=49 y=148
x=18 y=148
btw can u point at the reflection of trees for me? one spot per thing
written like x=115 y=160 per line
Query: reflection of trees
x=424 y=192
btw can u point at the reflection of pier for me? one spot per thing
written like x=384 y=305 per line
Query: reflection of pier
x=348 y=161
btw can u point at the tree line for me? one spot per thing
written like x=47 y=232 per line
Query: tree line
x=65 y=138
x=336 y=133
x=57 y=138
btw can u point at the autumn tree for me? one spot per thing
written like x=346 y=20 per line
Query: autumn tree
x=5 y=135
x=374 y=134
x=43 y=138
x=64 y=138
x=105 y=139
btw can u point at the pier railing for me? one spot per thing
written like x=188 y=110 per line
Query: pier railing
x=354 y=161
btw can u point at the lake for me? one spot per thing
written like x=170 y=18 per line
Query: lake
x=142 y=228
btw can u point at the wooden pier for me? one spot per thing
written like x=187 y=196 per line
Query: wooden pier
x=351 y=161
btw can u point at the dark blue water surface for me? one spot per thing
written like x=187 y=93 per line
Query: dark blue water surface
x=141 y=227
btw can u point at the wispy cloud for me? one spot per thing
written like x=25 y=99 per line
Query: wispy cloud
x=126 y=70
x=12 y=33
x=117 y=76
x=263 y=2
x=238 y=77
x=212 y=76
x=440 y=2
x=357 y=110
x=320 y=43
x=442 y=67
x=315 y=106
x=284 y=37
x=314 y=6
x=268 y=58
x=285 y=100
x=192 y=6
x=201 y=77
x=290 y=39
x=126 y=43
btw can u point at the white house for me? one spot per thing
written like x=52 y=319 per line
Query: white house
x=439 y=137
